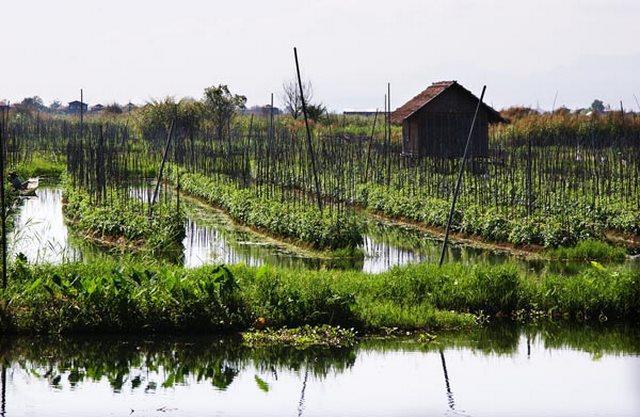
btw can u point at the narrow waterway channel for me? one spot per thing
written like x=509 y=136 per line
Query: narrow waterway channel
x=495 y=371
x=41 y=234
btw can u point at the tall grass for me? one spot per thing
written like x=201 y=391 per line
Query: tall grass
x=108 y=296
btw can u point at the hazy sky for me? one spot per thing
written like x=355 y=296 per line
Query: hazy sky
x=121 y=50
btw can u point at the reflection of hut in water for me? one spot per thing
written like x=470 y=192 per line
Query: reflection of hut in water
x=436 y=122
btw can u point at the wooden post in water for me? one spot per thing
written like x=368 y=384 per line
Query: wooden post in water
x=164 y=160
x=81 y=109
x=246 y=171
x=3 y=203
x=177 y=189
x=309 y=144
x=529 y=182
x=459 y=180
x=388 y=127
x=367 y=162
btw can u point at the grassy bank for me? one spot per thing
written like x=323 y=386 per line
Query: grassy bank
x=40 y=166
x=588 y=250
x=303 y=223
x=123 y=223
x=111 y=296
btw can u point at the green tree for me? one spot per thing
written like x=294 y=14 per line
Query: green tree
x=597 y=106
x=113 y=108
x=155 y=117
x=316 y=111
x=220 y=106
x=30 y=105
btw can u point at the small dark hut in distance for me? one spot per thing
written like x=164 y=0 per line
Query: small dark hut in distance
x=75 y=106
x=436 y=122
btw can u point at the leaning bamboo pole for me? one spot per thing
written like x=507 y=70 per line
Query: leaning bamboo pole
x=308 y=131
x=459 y=180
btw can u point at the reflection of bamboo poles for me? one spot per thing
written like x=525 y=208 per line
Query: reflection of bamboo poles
x=450 y=400
x=304 y=388
x=3 y=400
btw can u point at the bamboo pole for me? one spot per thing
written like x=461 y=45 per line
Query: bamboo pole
x=164 y=160
x=388 y=127
x=3 y=205
x=308 y=131
x=367 y=162
x=459 y=180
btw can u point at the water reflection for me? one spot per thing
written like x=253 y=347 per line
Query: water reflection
x=387 y=245
x=211 y=237
x=41 y=234
x=484 y=372
x=3 y=390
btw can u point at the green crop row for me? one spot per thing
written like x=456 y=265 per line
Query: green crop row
x=552 y=227
x=303 y=223
x=124 y=222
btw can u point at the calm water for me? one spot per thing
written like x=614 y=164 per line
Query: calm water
x=491 y=372
x=211 y=237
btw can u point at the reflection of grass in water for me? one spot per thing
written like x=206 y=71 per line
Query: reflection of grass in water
x=254 y=246
x=151 y=363
x=401 y=237
x=134 y=363
x=232 y=234
x=504 y=339
x=413 y=240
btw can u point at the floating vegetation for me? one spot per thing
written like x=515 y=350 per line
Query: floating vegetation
x=302 y=337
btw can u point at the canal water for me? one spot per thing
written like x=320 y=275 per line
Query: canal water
x=41 y=234
x=552 y=371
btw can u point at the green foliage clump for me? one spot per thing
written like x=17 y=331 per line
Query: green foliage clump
x=124 y=222
x=305 y=223
x=110 y=297
x=589 y=250
x=40 y=166
x=310 y=299
x=596 y=293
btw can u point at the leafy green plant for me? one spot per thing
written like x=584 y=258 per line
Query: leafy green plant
x=303 y=223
